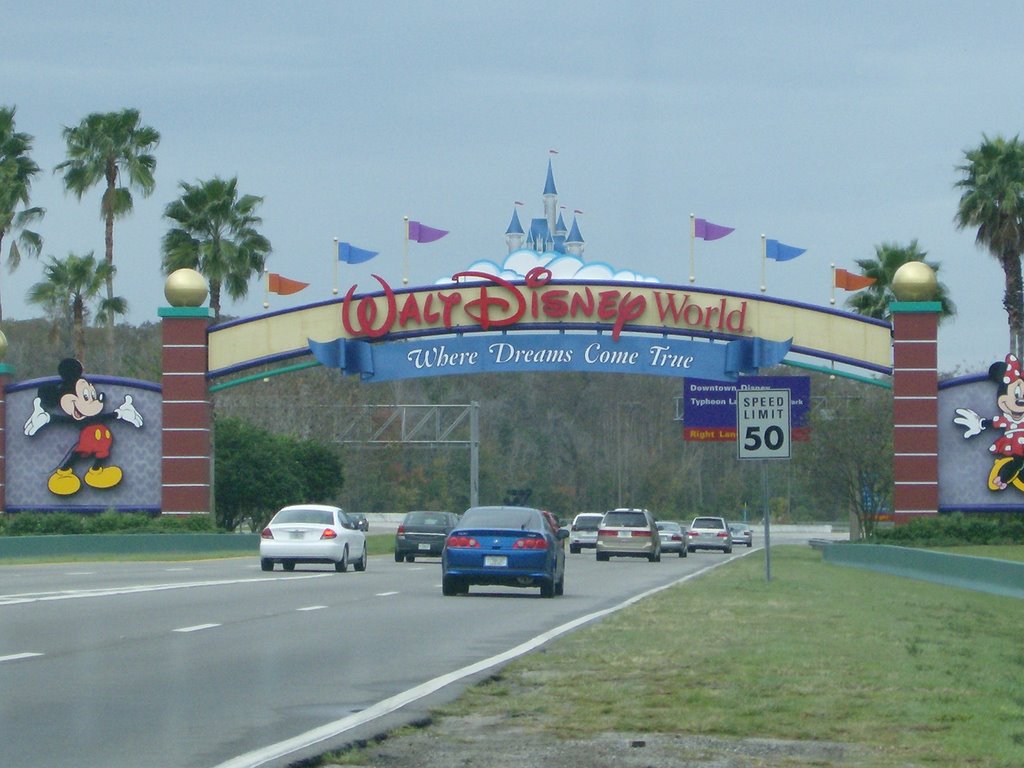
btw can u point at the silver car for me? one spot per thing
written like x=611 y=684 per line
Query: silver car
x=628 y=533
x=583 y=531
x=673 y=537
x=312 y=533
x=709 y=533
x=742 y=534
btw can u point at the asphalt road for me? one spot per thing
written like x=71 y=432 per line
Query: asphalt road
x=191 y=665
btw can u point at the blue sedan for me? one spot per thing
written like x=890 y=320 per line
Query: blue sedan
x=504 y=546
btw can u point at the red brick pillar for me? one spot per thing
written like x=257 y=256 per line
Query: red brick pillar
x=915 y=388
x=6 y=374
x=187 y=463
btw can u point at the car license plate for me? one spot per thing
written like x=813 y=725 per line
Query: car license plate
x=625 y=534
x=297 y=534
x=424 y=547
x=495 y=561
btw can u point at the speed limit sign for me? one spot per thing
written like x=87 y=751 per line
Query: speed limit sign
x=762 y=423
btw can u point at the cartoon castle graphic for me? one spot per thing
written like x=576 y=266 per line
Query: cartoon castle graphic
x=547 y=234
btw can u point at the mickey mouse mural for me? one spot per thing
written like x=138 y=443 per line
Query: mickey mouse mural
x=1008 y=449
x=75 y=400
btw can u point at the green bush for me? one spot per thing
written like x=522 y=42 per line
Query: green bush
x=953 y=529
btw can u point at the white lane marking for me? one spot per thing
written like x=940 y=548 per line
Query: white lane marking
x=196 y=628
x=173 y=570
x=262 y=756
x=76 y=594
x=80 y=573
x=385 y=594
x=312 y=608
x=16 y=656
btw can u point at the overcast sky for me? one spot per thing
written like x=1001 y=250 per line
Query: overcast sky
x=828 y=126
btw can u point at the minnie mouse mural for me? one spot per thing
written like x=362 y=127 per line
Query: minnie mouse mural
x=1008 y=449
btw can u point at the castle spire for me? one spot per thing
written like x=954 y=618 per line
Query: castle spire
x=574 y=242
x=514 y=234
x=550 y=199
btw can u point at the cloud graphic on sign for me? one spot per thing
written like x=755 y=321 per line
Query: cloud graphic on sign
x=562 y=267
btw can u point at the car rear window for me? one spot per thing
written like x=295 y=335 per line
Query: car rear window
x=626 y=519
x=315 y=516
x=425 y=518
x=591 y=523
x=502 y=517
x=708 y=522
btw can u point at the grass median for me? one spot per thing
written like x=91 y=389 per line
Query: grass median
x=920 y=674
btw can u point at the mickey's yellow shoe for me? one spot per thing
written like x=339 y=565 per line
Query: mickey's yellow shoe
x=63 y=482
x=103 y=477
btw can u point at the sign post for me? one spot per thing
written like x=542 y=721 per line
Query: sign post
x=763 y=432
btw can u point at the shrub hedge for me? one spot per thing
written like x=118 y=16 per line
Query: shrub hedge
x=51 y=523
x=953 y=529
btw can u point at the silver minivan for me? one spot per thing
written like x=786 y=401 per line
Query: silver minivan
x=628 y=533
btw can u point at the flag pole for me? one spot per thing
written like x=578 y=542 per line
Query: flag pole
x=832 y=299
x=405 y=254
x=764 y=259
x=693 y=236
x=336 y=260
x=266 y=289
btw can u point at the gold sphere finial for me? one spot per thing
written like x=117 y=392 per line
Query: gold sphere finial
x=915 y=281
x=185 y=288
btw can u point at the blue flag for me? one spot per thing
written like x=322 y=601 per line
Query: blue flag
x=352 y=255
x=780 y=251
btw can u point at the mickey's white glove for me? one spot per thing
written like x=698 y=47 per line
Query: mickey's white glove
x=38 y=419
x=970 y=421
x=127 y=412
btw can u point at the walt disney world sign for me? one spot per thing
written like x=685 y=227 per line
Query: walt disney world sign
x=482 y=323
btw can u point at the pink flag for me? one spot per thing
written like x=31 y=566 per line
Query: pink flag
x=421 y=233
x=705 y=230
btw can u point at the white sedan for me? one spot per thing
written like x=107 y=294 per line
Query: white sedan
x=312 y=533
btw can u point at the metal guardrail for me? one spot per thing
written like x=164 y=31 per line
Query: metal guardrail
x=981 y=574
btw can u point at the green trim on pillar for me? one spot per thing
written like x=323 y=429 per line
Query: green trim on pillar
x=206 y=312
x=918 y=307
x=6 y=370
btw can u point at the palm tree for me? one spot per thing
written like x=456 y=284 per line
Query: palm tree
x=993 y=201
x=216 y=234
x=16 y=173
x=874 y=300
x=70 y=286
x=110 y=148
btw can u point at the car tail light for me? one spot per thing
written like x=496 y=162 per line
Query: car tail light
x=605 y=532
x=401 y=530
x=722 y=535
x=463 y=541
x=329 y=533
x=642 y=533
x=266 y=533
x=692 y=534
x=676 y=537
x=530 y=544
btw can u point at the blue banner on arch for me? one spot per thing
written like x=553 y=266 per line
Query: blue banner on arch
x=548 y=352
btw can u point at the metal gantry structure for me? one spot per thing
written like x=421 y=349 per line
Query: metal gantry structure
x=418 y=425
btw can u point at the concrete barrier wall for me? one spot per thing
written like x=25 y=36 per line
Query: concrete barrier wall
x=982 y=574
